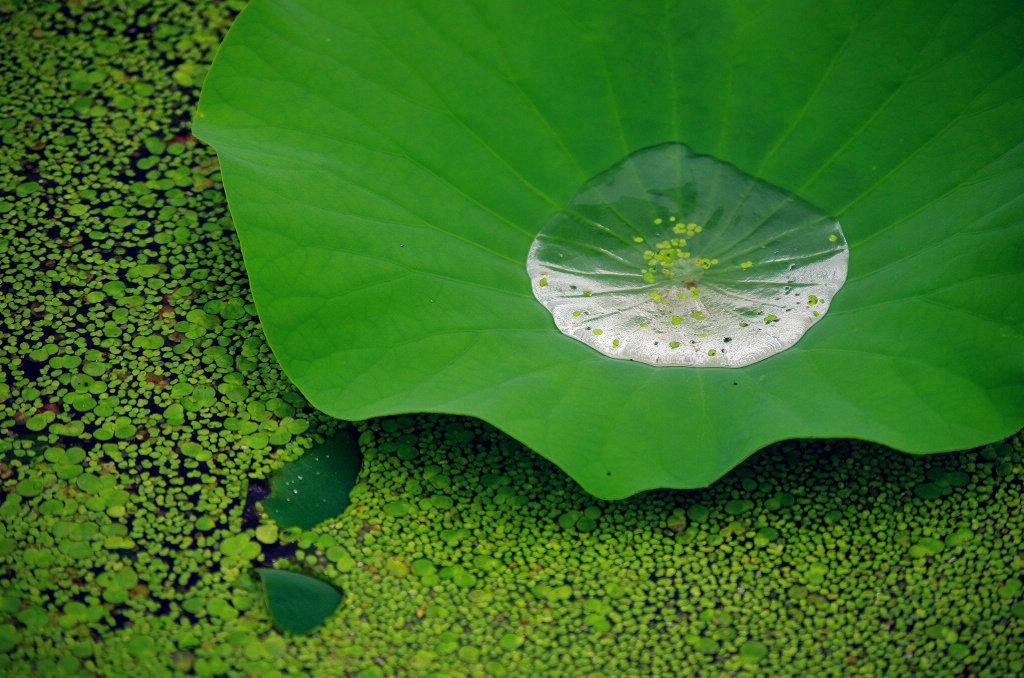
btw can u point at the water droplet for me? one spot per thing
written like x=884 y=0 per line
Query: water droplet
x=673 y=246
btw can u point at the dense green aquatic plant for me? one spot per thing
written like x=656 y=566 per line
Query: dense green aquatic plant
x=98 y=488
x=388 y=167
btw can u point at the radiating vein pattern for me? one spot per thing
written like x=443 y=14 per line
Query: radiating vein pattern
x=675 y=258
x=390 y=164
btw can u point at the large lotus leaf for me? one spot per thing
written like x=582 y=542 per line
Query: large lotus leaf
x=388 y=165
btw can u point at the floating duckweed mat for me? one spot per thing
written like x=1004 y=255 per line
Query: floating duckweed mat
x=142 y=414
x=625 y=269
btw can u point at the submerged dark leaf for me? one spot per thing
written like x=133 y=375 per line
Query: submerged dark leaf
x=315 y=487
x=297 y=603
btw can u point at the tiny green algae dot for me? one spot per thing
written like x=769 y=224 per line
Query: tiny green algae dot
x=1011 y=589
x=698 y=513
x=421 y=567
x=597 y=332
x=926 y=547
x=267 y=534
x=961 y=536
x=765 y=536
x=568 y=519
x=397 y=508
x=753 y=649
x=707 y=645
x=751 y=247
x=29 y=487
x=511 y=641
x=735 y=507
x=958 y=479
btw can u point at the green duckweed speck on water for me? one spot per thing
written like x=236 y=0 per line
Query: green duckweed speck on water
x=141 y=415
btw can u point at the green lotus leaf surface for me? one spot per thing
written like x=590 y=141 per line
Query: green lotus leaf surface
x=389 y=165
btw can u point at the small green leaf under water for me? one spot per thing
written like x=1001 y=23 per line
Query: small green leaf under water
x=315 y=487
x=297 y=603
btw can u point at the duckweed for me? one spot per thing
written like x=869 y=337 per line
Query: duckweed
x=142 y=417
x=753 y=649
